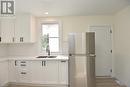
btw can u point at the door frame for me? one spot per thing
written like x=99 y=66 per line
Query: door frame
x=112 y=42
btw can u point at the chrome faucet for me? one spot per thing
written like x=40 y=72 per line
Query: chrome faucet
x=48 y=50
x=48 y=47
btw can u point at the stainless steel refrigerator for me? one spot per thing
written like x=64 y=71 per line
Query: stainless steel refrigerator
x=82 y=60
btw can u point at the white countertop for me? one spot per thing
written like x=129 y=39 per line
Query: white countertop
x=3 y=59
x=59 y=57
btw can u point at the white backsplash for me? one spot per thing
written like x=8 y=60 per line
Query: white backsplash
x=3 y=50
x=30 y=49
x=22 y=50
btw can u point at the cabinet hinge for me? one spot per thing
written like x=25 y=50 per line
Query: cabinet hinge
x=110 y=31
x=111 y=70
x=13 y=39
x=111 y=51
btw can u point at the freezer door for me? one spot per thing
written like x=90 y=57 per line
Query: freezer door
x=82 y=43
x=77 y=43
x=90 y=43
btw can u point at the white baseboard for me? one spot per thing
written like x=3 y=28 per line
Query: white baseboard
x=38 y=85
x=119 y=82
x=6 y=85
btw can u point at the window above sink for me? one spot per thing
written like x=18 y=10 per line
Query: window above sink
x=51 y=37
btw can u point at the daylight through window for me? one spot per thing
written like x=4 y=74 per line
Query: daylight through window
x=50 y=37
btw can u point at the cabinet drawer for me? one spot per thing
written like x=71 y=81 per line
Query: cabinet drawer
x=24 y=76
x=21 y=63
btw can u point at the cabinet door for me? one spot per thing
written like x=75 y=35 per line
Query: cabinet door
x=7 y=30
x=50 y=72
x=36 y=74
x=22 y=28
x=25 y=28
x=13 y=72
x=43 y=72
x=3 y=73
x=63 y=72
x=0 y=33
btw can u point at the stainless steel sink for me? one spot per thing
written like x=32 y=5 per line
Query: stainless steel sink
x=42 y=57
x=46 y=57
x=51 y=56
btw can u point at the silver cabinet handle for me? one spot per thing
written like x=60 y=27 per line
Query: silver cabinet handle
x=15 y=62
x=0 y=39
x=13 y=39
x=21 y=39
x=23 y=64
x=23 y=73
x=63 y=61
x=23 y=61
x=43 y=63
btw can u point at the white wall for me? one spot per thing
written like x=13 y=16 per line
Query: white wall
x=122 y=46
x=69 y=24
x=3 y=50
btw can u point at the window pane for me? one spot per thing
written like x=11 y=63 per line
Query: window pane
x=51 y=29
x=54 y=44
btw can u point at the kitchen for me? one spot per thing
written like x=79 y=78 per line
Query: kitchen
x=21 y=42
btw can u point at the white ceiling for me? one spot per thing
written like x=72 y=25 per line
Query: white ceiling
x=70 y=7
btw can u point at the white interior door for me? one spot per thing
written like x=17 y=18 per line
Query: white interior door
x=103 y=49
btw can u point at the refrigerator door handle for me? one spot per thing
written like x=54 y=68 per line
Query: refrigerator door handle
x=92 y=55
x=70 y=54
x=77 y=54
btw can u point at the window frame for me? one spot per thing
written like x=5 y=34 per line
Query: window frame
x=60 y=36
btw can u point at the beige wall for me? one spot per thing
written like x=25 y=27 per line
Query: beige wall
x=69 y=24
x=80 y=23
x=122 y=45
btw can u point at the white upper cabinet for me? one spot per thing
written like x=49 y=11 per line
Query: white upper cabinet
x=0 y=33
x=24 y=28
x=7 y=27
x=20 y=29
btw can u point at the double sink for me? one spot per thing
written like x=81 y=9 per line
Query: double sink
x=46 y=56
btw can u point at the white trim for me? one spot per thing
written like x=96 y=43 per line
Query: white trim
x=60 y=33
x=111 y=28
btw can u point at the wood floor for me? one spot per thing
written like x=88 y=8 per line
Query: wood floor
x=100 y=82
x=106 y=82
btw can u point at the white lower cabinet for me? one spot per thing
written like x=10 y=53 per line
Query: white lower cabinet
x=46 y=72
x=3 y=73
x=50 y=71
x=63 y=72
x=19 y=71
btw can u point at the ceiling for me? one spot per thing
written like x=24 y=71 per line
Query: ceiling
x=70 y=7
